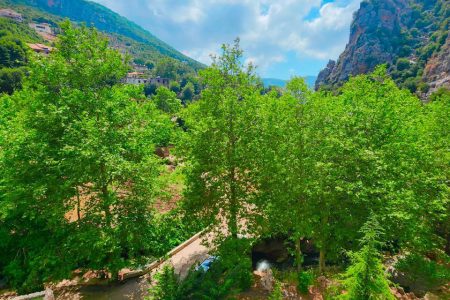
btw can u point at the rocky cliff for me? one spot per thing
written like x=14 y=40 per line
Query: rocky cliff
x=410 y=36
x=437 y=70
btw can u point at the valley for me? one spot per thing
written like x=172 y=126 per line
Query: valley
x=129 y=170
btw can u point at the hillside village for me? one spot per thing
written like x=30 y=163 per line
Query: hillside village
x=130 y=171
x=139 y=75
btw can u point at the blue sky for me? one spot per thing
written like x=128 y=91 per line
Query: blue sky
x=282 y=37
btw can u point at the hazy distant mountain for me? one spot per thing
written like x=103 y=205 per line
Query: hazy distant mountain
x=310 y=80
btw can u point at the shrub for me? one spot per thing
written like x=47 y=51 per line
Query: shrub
x=403 y=64
x=277 y=292
x=423 y=87
x=234 y=257
x=305 y=279
x=167 y=287
x=420 y=269
x=229 y=274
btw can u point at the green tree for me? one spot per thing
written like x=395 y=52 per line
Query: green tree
x=167 y=285
x=219 y=142
x=139 y=61
x=280 y=161
x=150 y=65
x=13 y=58
x=175 y=87
x=78 y=173
x=355 y=143
x=365 y=279
x=434 y=145
x=150 y=89
x=13 y=52
x=10 y=80
x=166 y=100
x=187 y=93
x=167 y=68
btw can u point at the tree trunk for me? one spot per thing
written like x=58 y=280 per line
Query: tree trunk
x=78 y=207
x=322 y=261
x=299 y=255
x=232 y=224
x=106 y=206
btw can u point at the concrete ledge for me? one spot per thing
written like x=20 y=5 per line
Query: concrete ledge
x=47 y=295
x=136 y=273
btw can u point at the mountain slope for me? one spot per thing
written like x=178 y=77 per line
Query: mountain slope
x=105 y=20
x=407 y=35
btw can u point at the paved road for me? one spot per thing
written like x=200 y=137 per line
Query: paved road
x=184 y=256
x=190 y=255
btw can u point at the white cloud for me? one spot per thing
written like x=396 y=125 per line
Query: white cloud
x=268 y=28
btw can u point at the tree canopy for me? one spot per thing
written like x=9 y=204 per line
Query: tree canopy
x=78 y=170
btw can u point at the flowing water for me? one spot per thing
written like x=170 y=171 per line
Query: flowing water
x=263 y=265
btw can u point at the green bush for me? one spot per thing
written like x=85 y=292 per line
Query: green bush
x=423 y=87
x=277 y=293
x=11 y=80
x=170 y=230
x=420 y=269
x=235 y=258
x=229 y=274
x=403 y=64
x=167 y=287
x=305 y=279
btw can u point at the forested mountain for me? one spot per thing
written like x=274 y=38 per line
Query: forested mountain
x=133 y=36
x=411 y=36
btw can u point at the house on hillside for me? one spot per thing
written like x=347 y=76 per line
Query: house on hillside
x=44 y=30
x=139 y=68
x=140 y=78
x=40 y=48
x=11 y=14
x=135 y=78
x=160 y=81
x=41 y=27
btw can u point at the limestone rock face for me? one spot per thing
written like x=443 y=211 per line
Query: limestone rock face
x=410 y=36
x=374 y=34
x=323 y=76
x=437 y=70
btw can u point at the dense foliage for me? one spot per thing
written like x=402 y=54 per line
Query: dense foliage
x=166 y=100
x=78 y=170
x=79 y=177
x=13 y=54
x=317 y=166
x=228 y=274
